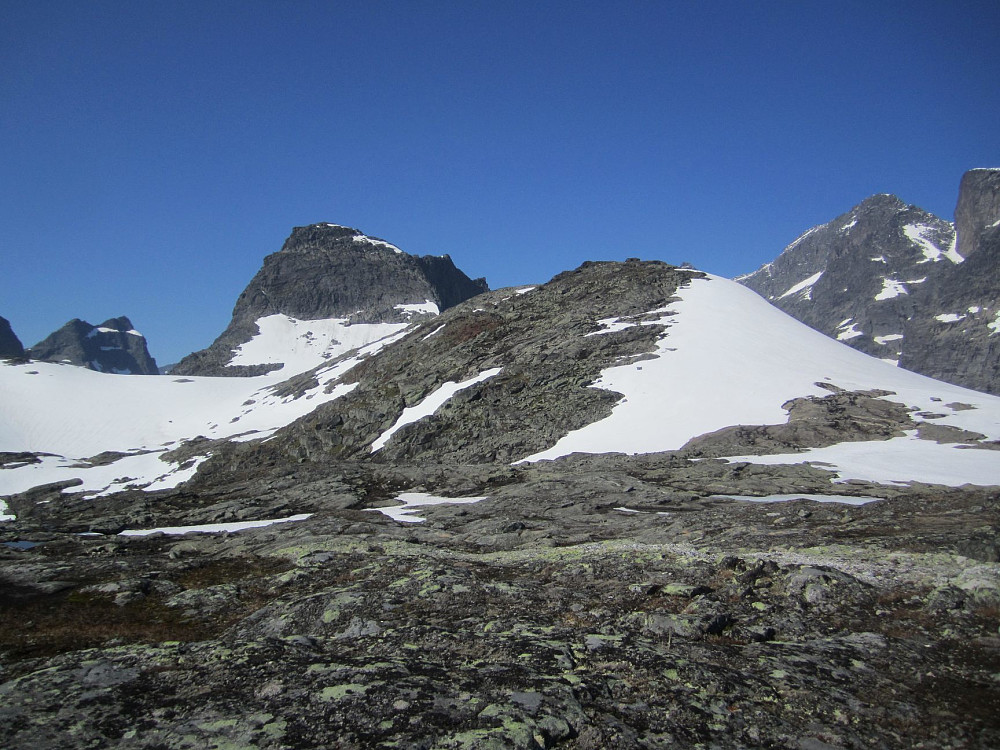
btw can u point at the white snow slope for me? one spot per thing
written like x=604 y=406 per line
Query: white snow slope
x=729 y=357
x=74 y=413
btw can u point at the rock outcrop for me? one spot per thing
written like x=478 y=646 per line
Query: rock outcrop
x=901 y=284
x=10 y=344
x=954 y=334
x=329 y=271
x=113 y=347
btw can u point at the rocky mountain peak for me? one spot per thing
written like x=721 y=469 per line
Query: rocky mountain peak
x=10 y=344
x=892 y=280
x=113 y=347
x=326 y=271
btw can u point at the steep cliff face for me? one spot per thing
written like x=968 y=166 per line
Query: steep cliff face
x=978 y=210
x=10 y=344
x=954 y=335
x=113 y=347
x=327 y=271
x=901 y=284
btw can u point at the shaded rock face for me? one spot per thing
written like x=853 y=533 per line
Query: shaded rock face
x=10 y=344
x=867 y=267
x=955 y=334
x=901 y=284
x=330 y=271
x=113 y=347
x=978 y=210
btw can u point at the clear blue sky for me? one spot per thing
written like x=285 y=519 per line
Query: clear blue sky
x=154 y=152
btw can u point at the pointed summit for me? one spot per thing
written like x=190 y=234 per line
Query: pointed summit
x=10 y=344
x=328 y=272
x=113 y=347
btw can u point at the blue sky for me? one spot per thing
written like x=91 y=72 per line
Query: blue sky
x=154 y=153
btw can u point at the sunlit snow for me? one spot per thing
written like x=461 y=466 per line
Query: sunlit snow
x=728 y=357
x=303 y=344
x=429 y=405
x=883 y=340
x=379 y=243
x=918 y=234
x=73 y=413
x=426 y=307
x=897 y=461
x=891 y=288
x=847 y=330
x=805 y=284
x=215 y=528
x=413 y=501
x=949 y=317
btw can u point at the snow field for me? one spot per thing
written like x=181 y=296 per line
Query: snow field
x=728 y=357
x=75 y=413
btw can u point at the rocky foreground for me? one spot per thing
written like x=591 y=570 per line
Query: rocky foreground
x=591 y=602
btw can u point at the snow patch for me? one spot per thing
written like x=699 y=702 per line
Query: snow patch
x=897 y=461
x=419 y=308
x=301 y=345
x=995 y=325
x=433 y=333
x=429 y=405
x=949 y=317
x=847 y=330
x=879 y=259
x=890 y=289
x=883 y=340
x=215 y=528
x=804 y=284
x=411 y=501
x=845 y=499
x=920 y=235
x=380 y=243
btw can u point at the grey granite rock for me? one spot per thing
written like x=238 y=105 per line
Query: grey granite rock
x=901 y=284
x=10 y=344
x=113 y=347
x=330 y=271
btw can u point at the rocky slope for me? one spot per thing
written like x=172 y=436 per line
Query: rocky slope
x=386 y=571
x=891 y=280
x=112 y=347
x=326 y=271
x=10 y=344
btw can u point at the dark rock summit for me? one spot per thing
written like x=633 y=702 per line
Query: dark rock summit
x=901 y=284
x=10 y=344
x=331 y=271
x=954 y=335
x=113 y=347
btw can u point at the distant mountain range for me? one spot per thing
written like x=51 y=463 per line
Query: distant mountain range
x=901 y=284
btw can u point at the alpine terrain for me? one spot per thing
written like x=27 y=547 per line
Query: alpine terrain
x=635 y=506
x=10 y=344
x=901 y=284
x=113 y=347
x=337 y=275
